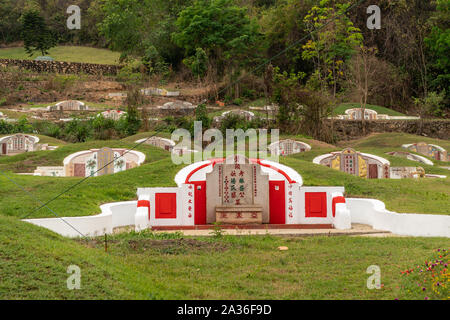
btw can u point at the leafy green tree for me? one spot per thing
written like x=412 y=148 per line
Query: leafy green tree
x=35 y=33
x=438 y=44
x=335 y=42
x=201 y=114
x=198 y=63
x=223 y=30
x=137 y=27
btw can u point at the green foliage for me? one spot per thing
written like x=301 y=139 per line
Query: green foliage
x=35 y=33
x=219 y=27
x=438 y=44
x=335 y=42
x=198 y=63
x=152 y=22
x=431 y=105
x=238 y=101
x=153 y=61
x=131 y=73
x=300 y=109
x=201 y=114
x=217 y=231
x=21 y=126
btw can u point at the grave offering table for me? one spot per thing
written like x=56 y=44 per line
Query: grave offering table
x=245 y=214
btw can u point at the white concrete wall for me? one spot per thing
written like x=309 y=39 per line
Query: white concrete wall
x=373 y=212
x=117 y=214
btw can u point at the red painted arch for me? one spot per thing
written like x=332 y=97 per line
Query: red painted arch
x=258 y=161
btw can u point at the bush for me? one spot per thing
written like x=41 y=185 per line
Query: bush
x=238 y=101
x=131 y=73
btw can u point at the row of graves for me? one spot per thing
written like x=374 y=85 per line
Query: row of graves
x=370 y=166
x=237 y=191
x=247 y=115
x=95 y=162
x=166 y=144
x=280 y=148
x=369 y=114
x=21 y=143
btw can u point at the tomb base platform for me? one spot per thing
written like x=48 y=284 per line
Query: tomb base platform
x=244 y=226
x=236 y=215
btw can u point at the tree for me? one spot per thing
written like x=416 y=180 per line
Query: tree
x=438 y=47
x=198 y=63
x=362 y=69
x=132 y=121
x=133 y=27
x=223 y=30
x=333 y=44
x=35 y=33
x=300 y=109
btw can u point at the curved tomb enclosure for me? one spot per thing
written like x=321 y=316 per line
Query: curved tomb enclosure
x=20 y=143
x=288 y=147
x=69 y=105
x=410 y=156
x=247 y=115
x=95 y=162
x=359 y=164
x=159 y=142
x=113 y=114
x=430 y=150
x=369 y=114
x=356 y=114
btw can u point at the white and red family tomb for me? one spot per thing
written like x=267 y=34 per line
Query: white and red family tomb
x=244 y=194
x=238 y=191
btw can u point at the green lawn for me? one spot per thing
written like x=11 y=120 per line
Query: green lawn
x=381 y=110
x=67 y=53
x=34 y=262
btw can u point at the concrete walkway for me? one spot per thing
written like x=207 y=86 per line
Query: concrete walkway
x=356 y=230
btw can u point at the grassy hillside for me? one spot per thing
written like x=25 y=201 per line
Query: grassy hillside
x=66 y=53
x=34 y=262
x=407 y=195
x=381 y=110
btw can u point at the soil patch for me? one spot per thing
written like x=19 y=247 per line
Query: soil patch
x=176 y=246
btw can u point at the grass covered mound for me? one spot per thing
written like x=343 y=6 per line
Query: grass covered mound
x=34 y=262
x=67 y=54
x=340 y=110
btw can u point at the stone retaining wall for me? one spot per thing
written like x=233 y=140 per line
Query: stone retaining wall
x=352 y=129
x=61 y=67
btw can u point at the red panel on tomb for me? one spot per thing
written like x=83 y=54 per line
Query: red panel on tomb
x=336 y=200
x=144 y=203
x=200 y=203
x=316 y=204
x=277 y=202
x=166 y=206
